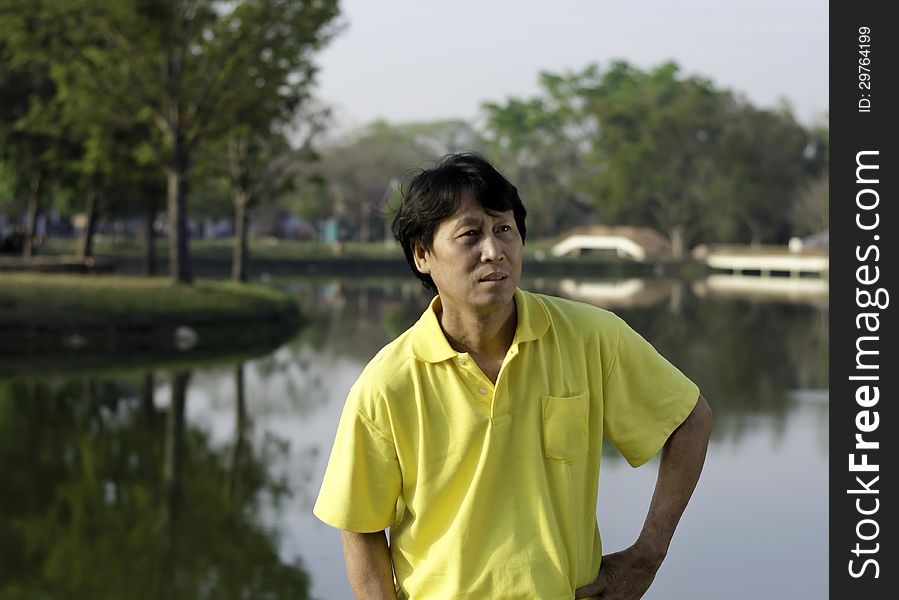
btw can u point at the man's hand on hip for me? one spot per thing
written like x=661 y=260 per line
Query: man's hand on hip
x=624 y=575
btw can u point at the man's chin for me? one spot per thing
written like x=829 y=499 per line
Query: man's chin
x=495 y=295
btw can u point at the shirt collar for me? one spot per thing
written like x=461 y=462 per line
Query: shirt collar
x=430 y=345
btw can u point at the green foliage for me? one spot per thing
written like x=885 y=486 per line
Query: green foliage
x=542 y=143
x=8 y=197
x=194 y=70
x=762 y=165
x=356 y=181
x=811 y=207
x=164 y=78
x=111 y=97
x=309 y=198
x=29 y=146
x=655 y=149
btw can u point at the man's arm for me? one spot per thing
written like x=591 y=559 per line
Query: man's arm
x=368 y=565
x=626 y=575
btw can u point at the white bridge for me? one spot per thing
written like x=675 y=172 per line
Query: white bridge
x=635 y=243
x=641 y=244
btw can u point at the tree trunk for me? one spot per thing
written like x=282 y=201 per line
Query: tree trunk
x=34 y=202
x=87 y=238
x=754 y=232
x=241 y=250
x=179 y=246
x=365 y=222
x=174 y=448
x=150 y=261
x=676 y=300
x=678 y=249
x=147 y=403
x=240 y=429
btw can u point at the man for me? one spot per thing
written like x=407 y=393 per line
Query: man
x=475 y=436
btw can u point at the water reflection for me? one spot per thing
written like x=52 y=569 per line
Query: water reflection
x=107 y=493
x=197 y=480
x=796 y=290
x=627 y=293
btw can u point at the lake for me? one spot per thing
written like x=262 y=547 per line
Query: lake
x=197 y=480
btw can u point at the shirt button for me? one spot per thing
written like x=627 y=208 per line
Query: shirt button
x=483 y=390
x=463 y=362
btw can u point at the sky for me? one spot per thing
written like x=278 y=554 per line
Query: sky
x=422 y=60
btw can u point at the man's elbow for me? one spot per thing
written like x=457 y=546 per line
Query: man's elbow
x=702 y=418
x=698 y=423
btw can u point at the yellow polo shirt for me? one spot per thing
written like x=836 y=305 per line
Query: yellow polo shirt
x=489 y=492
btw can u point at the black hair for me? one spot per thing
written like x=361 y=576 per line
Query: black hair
x=435 y=194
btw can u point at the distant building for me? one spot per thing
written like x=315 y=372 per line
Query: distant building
x=640 y=244
x=793 y=260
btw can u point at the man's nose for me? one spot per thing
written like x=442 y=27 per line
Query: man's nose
x=492 y=249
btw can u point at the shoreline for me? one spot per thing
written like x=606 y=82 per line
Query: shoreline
x=72 y=316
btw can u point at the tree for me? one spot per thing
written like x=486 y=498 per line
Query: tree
x=636 y=146
x=811 y=207
x=308 y=197
x=811 y=202
x=763 y=159
x=53 y=133
x=437 y=137
x=262 y=164
x=8 y=202
x=28 y=145
x=364 y=172
x=542 y=143
x=655 y=149
x=259 y=166
x=190 y=68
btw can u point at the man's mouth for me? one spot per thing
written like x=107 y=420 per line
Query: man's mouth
x=494 y=277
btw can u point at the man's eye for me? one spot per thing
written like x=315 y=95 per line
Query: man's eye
x=470 y=232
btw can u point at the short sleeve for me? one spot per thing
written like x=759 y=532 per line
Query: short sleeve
x=362 y=482
x=645 y=398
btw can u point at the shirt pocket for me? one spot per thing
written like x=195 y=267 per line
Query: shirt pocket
x=565 y=427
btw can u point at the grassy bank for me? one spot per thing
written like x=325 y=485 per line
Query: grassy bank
x=68 y=316
x=42 y=299
x=221 y=249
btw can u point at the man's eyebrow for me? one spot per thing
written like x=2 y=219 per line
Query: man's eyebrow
x=478 y=220
x=467 y=221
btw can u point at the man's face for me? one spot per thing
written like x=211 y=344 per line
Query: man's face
x=475 y=259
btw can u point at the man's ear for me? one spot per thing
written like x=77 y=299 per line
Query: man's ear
x=420 y=255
